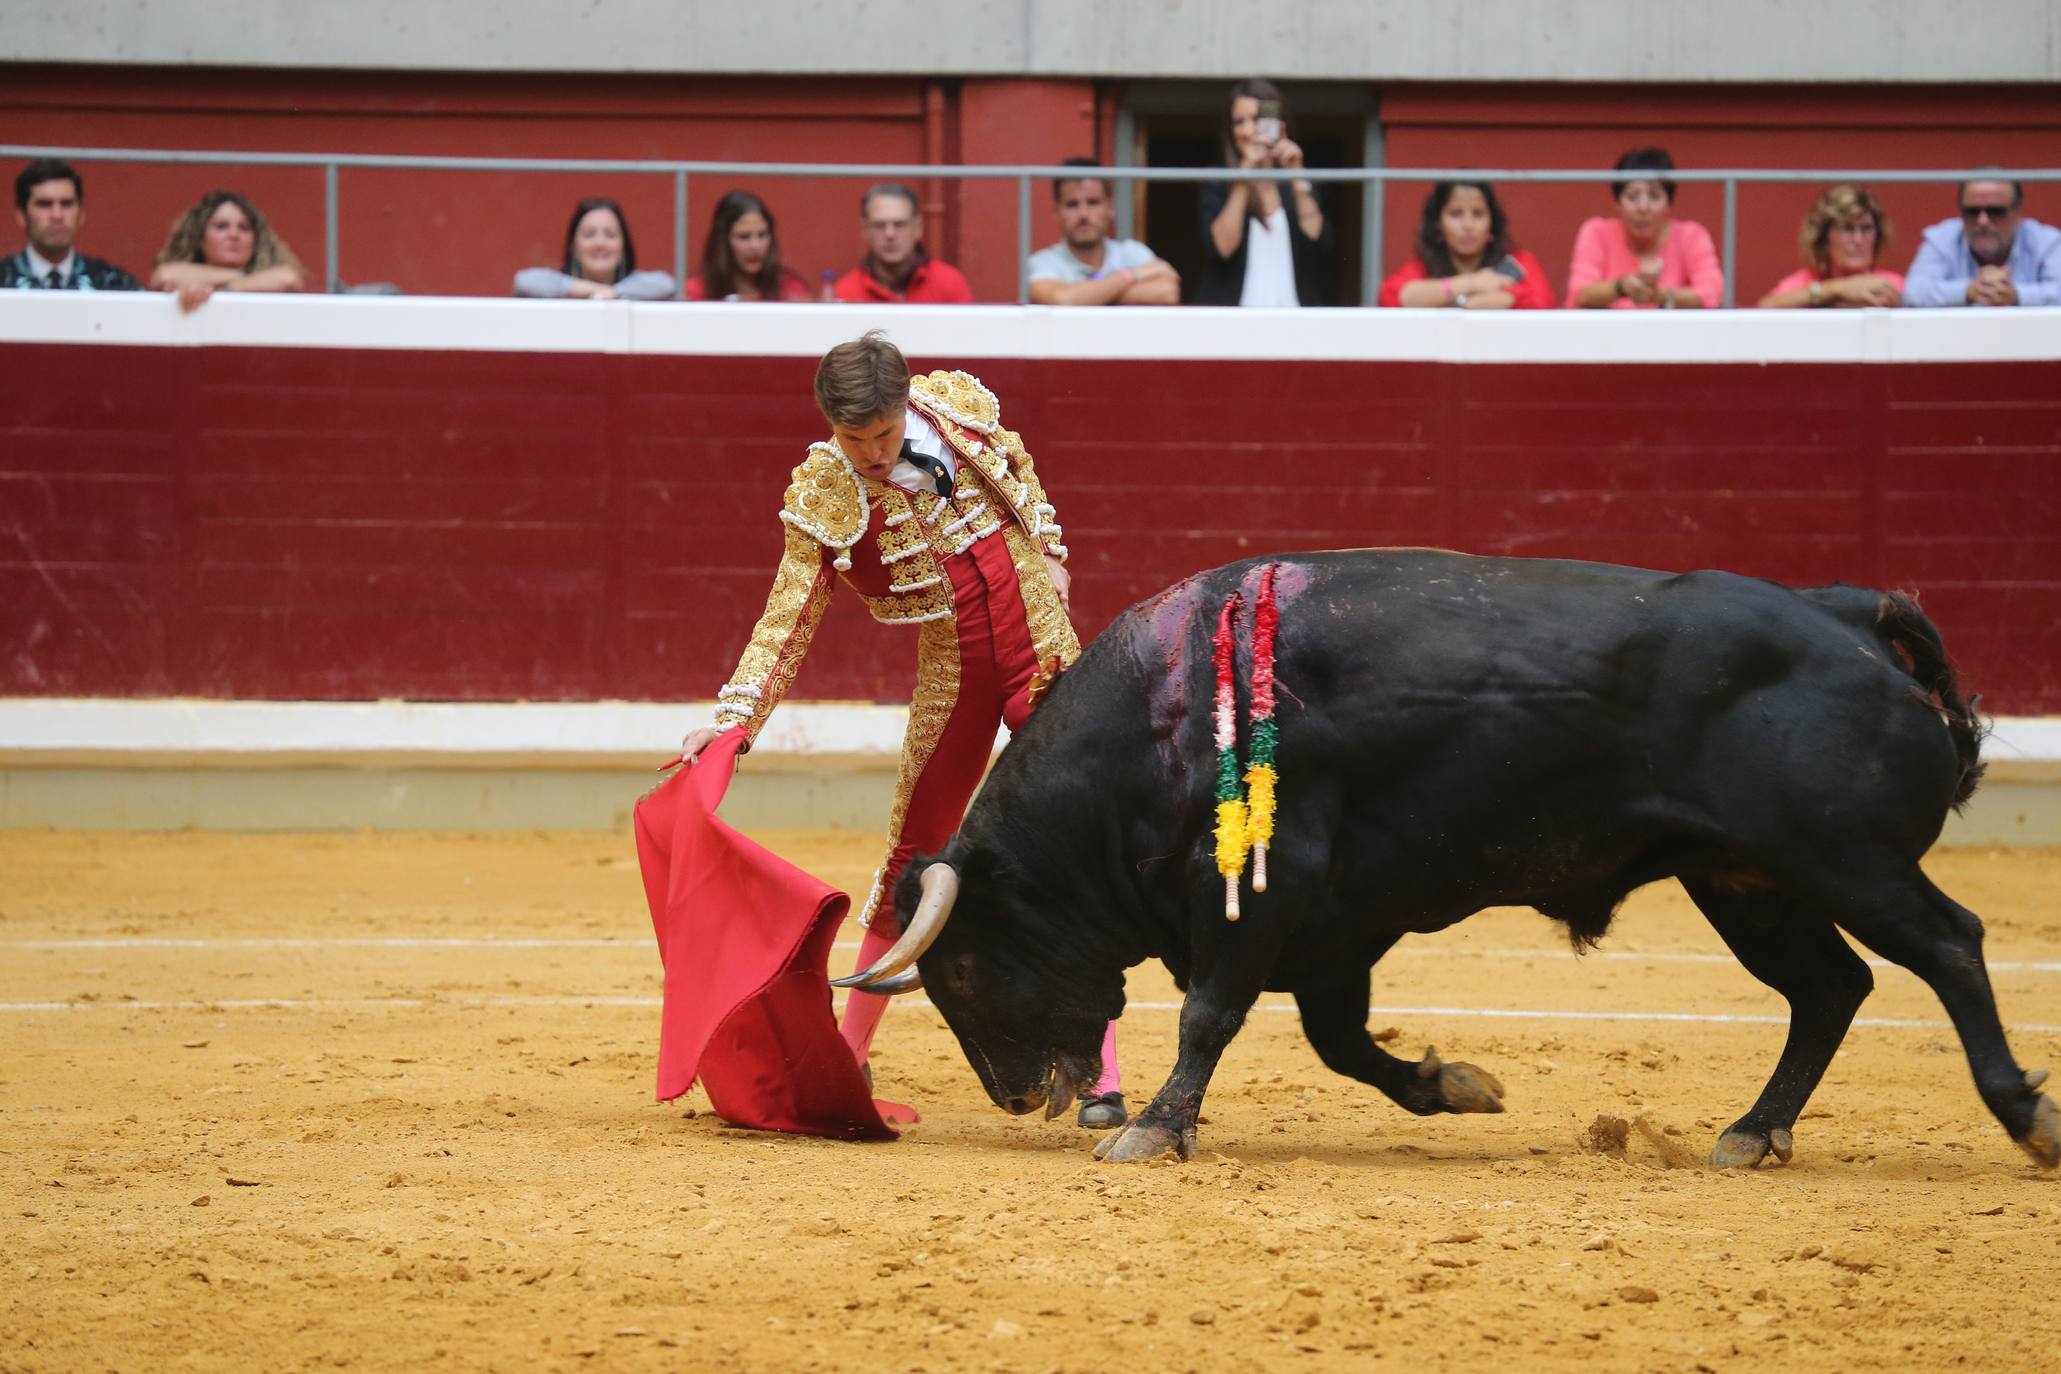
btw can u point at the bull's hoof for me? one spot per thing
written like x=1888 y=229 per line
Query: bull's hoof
x=2043 y=1141
x=1741 y=1148
x=1461 y=1087
x=1141 y=1141
x=1464 y=1088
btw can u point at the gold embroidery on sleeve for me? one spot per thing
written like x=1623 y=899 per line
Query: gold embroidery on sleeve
x=780 y=640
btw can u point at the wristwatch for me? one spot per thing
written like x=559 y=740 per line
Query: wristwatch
x=1817 y=294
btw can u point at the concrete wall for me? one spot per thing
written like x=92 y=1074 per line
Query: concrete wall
x=1550 y=40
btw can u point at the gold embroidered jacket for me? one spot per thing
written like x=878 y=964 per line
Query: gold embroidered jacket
x=890 y=544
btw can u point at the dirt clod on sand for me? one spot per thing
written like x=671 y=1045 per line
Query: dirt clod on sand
x=1607 y=1135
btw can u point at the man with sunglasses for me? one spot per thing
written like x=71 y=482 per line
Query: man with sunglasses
x=1991 y=255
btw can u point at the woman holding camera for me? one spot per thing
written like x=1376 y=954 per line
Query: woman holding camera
x=1267 y=243
x=1464 y=258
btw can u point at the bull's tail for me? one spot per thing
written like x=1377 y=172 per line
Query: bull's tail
x=1899 y=626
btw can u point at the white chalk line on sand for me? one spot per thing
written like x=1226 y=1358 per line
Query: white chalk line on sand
x=226 y=1004
x=122 y=942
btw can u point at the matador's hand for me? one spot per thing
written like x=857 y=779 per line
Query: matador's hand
x=1062 y=582
x=696 y=741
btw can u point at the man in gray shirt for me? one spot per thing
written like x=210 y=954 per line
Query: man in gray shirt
x=1088 y=266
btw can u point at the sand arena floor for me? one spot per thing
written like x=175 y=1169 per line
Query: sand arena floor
x=374 y=1101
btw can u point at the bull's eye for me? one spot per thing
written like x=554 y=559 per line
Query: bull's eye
x=959 y=973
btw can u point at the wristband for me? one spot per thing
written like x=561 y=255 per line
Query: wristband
x=1447 y=283
x=1817 y=294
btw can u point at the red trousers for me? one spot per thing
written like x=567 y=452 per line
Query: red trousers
x=989 y=636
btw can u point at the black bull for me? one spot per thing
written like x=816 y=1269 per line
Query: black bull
x=1457 y=733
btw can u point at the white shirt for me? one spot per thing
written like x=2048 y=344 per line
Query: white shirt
x=922 y=436
x=41 y=266
x=1269 y=262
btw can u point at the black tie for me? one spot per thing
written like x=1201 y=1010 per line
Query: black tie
x=925 y=463
x=55 y=281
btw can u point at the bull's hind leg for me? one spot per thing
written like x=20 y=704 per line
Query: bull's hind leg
x=1799 y=954
x=1904 y=918
x=1334 y=1017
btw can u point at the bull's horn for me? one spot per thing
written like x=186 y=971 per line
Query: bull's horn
x=940 y=889
x=908 y=980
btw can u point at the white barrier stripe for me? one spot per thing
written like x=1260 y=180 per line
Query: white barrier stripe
x=1491 y=1013
x=644 y=946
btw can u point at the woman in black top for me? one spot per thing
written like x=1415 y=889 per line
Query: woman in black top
x=1265 y=243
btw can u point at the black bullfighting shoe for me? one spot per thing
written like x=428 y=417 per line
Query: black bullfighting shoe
x=1103 y=1113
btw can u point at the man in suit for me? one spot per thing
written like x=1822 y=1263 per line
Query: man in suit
x=50 y=205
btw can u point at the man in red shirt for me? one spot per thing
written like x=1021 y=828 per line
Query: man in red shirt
x=896 y=268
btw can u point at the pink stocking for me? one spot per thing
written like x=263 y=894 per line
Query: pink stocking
x=863 y=1010
x=1111 y=1079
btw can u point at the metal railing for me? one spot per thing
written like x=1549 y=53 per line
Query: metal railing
x=1371 y=180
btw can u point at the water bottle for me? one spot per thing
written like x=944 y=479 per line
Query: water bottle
x=828 y=290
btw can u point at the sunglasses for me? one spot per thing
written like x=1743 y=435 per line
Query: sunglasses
x=1996 y=213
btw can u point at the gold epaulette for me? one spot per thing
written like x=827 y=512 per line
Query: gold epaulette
x=826 y=502
x=960 y=398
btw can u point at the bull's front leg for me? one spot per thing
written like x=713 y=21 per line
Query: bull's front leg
x=1231 y=970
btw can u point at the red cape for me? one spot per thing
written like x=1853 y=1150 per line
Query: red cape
x=745 y=937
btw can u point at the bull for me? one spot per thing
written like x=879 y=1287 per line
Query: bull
x=1460 y=732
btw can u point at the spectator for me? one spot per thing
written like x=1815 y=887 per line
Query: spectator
x=224 y=244
x=600 y=261
x=1644 y=257
x=1842 y=240
x=1087 y=266
x=1464 y=257
x=1991 y=255
x=740 y=259
x=50 y=204
x=1261 y=246
x=897 y=267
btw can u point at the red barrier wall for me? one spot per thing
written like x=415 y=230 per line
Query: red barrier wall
x=332 y=523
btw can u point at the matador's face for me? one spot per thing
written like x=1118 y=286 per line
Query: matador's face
x=874 y=445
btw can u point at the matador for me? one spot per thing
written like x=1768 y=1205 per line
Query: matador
x=932 y=512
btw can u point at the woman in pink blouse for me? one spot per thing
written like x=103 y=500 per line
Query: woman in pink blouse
x=1842 y=241
x=1644 y=256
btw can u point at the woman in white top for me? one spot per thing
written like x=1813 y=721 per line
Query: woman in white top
x=600 y=261
x=1266 y=243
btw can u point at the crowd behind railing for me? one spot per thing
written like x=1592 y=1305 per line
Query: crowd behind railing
x=1268 y=239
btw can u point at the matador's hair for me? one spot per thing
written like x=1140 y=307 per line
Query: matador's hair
x=862 y=381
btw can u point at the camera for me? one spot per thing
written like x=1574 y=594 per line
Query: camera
x=1269 y=125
